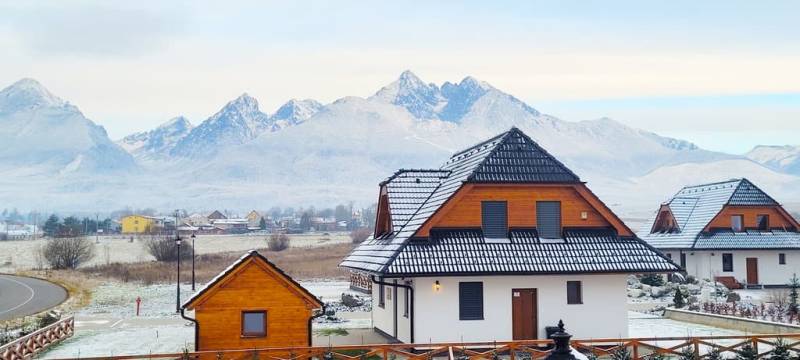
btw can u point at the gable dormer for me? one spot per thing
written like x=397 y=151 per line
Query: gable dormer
x=665 y=221
x=383 y=218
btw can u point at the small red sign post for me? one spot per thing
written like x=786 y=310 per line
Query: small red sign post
x=138 y=301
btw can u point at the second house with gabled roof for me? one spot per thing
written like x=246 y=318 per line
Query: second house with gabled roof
x=499 y=243
x=730 y=231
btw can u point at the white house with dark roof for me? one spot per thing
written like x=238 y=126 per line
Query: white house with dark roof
x=731 y=231
x=499 y=243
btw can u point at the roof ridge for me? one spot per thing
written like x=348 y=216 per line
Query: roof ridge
x=403 y=171
x=709 y=184
x=482 y=143
x=236 y=264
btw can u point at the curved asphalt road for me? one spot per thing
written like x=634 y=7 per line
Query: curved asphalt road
x=21 y=296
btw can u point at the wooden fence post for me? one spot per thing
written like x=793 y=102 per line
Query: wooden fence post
x=635 y=346
x=696 y=343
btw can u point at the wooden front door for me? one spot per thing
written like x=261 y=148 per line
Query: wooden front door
x=524 y=311
x=752 y=270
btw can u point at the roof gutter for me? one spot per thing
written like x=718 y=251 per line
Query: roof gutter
x=196 y=329
x=411 y=305
x=311 y=320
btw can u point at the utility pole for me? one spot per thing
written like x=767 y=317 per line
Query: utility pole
x=178 y=283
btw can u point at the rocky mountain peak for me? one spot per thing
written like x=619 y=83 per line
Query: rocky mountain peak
x=27 y=93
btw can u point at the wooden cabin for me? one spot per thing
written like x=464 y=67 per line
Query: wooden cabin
x=253 y=304
x=499 y=243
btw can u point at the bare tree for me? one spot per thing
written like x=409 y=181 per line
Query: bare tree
x=359 y=235
x=165 y=249
x=67 y=253
x=278 y=242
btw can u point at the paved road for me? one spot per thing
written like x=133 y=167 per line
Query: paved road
x=22 y=296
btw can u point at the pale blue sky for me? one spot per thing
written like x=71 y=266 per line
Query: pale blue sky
x=723 y=74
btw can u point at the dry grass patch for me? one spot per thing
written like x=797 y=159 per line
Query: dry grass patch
x=300 y=263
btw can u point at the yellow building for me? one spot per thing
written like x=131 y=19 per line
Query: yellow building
x=140 y=224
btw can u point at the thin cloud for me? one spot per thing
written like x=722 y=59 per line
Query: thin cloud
x=90 y=29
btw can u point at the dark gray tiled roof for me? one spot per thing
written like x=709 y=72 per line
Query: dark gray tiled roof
x=581 y=251
x=519 y=159
x=511 y=157
x=751 y=239
x=695 y=206
x=749 y=194
x=408 y=190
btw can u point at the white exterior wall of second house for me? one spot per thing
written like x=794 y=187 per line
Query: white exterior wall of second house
x=603 y=313
x=383 y=317
x=707 y=264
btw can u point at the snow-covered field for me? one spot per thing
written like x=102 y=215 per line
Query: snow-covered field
x=109 y=325
x=21 y=254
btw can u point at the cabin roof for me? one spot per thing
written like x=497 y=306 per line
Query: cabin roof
x=694 y=207
x=189 y=303
x=508 y=158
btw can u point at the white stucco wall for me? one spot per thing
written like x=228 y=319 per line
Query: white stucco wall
x=602 y=314
x=383 y=318
x=708 y=264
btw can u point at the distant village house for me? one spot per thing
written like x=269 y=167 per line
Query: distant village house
x=730 y=231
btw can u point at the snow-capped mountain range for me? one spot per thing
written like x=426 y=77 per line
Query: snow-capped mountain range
x=780 y=158
x=307 y=153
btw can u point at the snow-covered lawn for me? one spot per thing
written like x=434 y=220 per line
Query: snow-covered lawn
x=124 y=341
x=646 y=325
x=109 y=325
x=21 y=254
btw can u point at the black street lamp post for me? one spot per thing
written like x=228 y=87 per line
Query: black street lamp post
x=193 y=261
x=178 y=283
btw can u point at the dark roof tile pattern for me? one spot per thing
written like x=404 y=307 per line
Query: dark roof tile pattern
x=751 y=239
x=581 y=251
x=749 y=194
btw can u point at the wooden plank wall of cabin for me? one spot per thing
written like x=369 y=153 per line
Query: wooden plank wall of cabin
x=466 y=208
x=252 y=289
x=723 y=219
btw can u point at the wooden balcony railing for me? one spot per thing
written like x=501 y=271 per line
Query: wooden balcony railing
x=29 y=345
x=635 y=348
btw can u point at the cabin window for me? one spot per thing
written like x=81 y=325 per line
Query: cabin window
x=574 y=292
x=737 y=223
x=381 y=295
x=254 y=323
x=781 y=259
x=548 y=219
x=470 y=301
x=683 y=260
x=762 y=222
x=494 y=218
x=727 y=262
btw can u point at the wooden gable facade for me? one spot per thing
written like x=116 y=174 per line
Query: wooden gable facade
x=579 y=207
x=253 y=288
